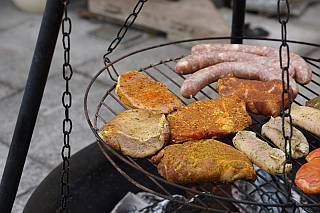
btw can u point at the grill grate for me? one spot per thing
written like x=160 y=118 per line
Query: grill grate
x=202 y=197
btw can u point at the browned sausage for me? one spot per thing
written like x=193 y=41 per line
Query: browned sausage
x=255 y=71
x=303 y=72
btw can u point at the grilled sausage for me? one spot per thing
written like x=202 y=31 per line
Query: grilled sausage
x=254 y=71
x=273 y=130
x=303 y=72
x=260 y=153
x=307 y=118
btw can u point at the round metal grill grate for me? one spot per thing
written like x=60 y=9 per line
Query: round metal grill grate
x=211 y=197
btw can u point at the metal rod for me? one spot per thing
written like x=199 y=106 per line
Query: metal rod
x=238 y=16
x=31 y=101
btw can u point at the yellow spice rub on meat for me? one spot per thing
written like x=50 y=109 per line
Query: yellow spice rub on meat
x=201 y=161
x=208 y=119
x=140 y=91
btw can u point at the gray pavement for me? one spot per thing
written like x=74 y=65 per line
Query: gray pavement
x=18 y=33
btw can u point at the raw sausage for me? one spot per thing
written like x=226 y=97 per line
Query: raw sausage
x=254 y=71
x=192 y=63
x=303 y=72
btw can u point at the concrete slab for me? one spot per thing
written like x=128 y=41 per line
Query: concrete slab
x=47 y=139
x=136 y=61
x=20 y=202
x=33 y=174
x=11 y=17
x=5 y=91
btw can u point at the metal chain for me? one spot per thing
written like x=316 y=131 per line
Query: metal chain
x=283 y=10
x=121 y=33
x=66 y=102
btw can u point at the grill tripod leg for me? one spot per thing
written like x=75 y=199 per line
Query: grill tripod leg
x=238 y=16
x=31 y=101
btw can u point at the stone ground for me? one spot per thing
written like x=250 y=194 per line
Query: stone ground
x=18 y=33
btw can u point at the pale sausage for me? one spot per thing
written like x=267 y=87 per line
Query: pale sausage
x=303 y=72
x=255 y=71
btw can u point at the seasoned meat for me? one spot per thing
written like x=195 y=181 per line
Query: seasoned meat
x=273 y=130
x=270 y=159
x=261 y=97
x=203 y=161
x=315 y=103
x=140 y=91
x=208 y=119
x=302 y=74
x=308 y=177
x=137 y=133
x=313 y=155
x=307 y=118
x=245 y=70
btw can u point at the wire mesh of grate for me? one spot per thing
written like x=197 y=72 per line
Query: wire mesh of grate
x=208 y=197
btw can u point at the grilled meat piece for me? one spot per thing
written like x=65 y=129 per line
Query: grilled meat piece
x=307 y=118
x=308 y=177
x=260 y=153
x=261 y=97
x=273 y=130
x=315 y=103
x=137 y=133
x=313 y=155
x=140 y=91
x=203 y=161
x=208 y=119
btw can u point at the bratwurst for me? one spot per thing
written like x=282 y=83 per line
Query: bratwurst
x=254 y=71
x=303 y=72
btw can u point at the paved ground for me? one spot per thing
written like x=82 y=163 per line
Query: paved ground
x=18 y=32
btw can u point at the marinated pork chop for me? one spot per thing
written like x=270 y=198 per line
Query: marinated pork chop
x=260 y=153
x=203 y=161
x=273 y=130
x=137 y=133
x=140 y=91
x=261 y=97
x=208 y=119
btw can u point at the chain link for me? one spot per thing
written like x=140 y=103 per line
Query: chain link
x=120 y=35
x=66 y=102
x=283 y=10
